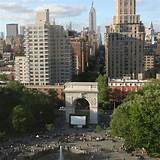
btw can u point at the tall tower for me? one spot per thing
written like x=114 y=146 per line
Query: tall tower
x=125 y=7
x=48 y=54
x=152 y=34
x=124 y=42
x=126 y=12
x=12 y=30
x=42 y=17
x=92 y=19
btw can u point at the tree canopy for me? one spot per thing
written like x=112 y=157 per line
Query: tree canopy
x=20 y=107
x=22 y=119
x=104 y=91
x=3 y=77
x=137 y=120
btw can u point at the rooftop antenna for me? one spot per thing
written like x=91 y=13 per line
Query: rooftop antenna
x=92 y=4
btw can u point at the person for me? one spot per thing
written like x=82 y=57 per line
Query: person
x=108 y=157
x=92 y=157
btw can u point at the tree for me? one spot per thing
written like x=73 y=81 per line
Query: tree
x=15 y=86
x=32 y=105
x=3 y=77
x=137 y=120
x=22 y=119
x=104 y=91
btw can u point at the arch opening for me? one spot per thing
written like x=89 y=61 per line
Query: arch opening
x=82 y=107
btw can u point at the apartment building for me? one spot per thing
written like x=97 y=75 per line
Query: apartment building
x=124 y=42
x=48 y=53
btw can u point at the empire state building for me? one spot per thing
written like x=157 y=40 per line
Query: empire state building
x=92 y=20
x=124 y=42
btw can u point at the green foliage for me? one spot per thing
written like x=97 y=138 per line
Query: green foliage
x=90 y=74
x=2 y=135
x=98 y=128
x=22 y=120
x=104 y=91
x=35 y=107
x=15 y=86
x=3 y=77
x=49 y=127
x=92 y=62
x=87 y=76
x=137 y=120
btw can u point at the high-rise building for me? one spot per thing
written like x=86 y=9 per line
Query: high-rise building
x=99 y=36
x=2 y=46
x=150 y=49
x=1 y=35
x=92 y=31
x=92 y=19
x=150 y=34
x=124 y=42
x=48 y=54
x=62 y=56
x=158 y=45
x=81 y=52
x=22 y=28
x=42 y=17
x=12 y=30
x=22 y=69
x=149 y=62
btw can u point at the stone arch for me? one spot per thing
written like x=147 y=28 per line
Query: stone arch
x=82 y=107
x=82 y=90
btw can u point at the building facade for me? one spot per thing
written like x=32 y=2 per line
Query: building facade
x=149 y=62
x=124 y=42
x=81 y=54
x=150 y=49
x=63 y=56
x=92 y=20
x=21 y=69
x=122 y=87
x=92 y=30
x=12 y=30
x=150 y=34
x=48 y=53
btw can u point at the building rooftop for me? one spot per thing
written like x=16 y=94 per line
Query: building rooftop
x=127 y=81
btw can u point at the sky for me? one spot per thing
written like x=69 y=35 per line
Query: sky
x=75 y=11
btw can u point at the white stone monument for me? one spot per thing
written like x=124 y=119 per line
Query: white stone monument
x=84 y=90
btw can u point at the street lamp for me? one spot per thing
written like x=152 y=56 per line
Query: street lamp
x=62 y=108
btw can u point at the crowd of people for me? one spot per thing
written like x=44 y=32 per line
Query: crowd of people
x=78 y=142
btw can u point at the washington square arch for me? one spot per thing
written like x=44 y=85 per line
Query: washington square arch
x=82 y=98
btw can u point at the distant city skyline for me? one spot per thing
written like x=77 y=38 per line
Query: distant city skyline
x=75 y=11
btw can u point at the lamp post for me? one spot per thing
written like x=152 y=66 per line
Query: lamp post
x=62 y=108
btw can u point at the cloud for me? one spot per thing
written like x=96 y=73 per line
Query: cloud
x=57 y=9
x=64 y=10
x=14 y=7
x=22 y=11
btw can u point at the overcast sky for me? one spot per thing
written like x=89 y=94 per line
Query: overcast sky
x=75 y=11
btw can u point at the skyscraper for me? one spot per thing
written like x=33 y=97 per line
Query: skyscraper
x=1 y=35
x=150 y=34
x=48 y=55
x=42 y=17
x=92 y=19
x=12 y=30
x=99 y=36
x=124 y=42
x=22 y=28
x=92 y=31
